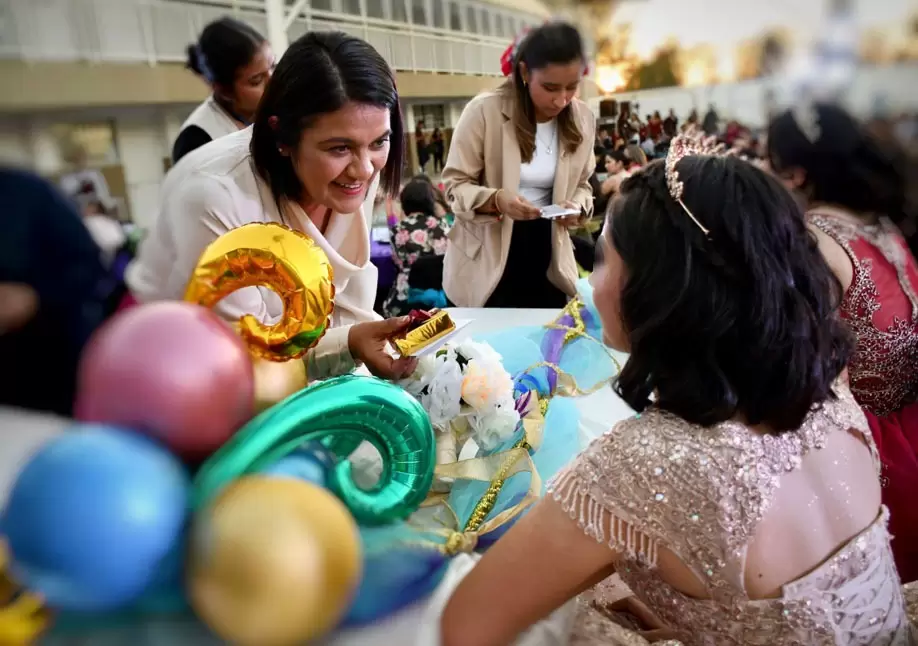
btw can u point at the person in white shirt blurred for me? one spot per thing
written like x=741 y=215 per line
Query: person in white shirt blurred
x=328 y=130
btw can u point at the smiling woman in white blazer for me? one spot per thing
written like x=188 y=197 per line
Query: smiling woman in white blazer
x=327 y=131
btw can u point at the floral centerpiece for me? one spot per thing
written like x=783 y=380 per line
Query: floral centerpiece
x=468 y=395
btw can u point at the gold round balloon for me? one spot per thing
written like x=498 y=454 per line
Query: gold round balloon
x=273 y=562
x=276 y=381
x=274 y=256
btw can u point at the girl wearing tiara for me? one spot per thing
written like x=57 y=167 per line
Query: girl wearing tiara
x=742 y=505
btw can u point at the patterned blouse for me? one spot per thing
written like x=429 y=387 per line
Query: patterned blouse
x=413 y=236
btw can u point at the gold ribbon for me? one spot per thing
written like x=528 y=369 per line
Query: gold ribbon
x=498 y=468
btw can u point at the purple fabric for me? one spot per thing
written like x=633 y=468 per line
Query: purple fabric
x=381 y=256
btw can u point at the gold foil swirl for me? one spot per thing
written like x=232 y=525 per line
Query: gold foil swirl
x=286 y=261
x=431 y=331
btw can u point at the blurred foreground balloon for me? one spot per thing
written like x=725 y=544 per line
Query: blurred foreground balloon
x=275 y=381
x=92 y=516
x=172 y=370
x=340 y=413
x=312 y=462
x=273 y=562
x=288 y=262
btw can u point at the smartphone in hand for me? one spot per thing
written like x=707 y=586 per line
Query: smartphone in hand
x=556 y=211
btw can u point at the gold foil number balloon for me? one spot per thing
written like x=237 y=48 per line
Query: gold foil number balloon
x=286 y=261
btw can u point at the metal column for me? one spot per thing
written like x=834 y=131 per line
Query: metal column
x=277 y=26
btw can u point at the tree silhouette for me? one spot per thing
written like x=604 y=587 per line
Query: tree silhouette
x=658 y=72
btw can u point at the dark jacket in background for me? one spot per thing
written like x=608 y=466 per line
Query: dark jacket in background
x=45 y=245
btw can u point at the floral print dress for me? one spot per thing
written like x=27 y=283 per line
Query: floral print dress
x=413 y=236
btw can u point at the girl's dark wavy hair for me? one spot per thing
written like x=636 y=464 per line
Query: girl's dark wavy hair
x=319 y=73
x=845 y=165
x=739 y=324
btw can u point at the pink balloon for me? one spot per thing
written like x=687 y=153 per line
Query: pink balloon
x=172 y=370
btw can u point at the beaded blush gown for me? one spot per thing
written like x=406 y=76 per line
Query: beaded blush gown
x=701 y=493
x=881 y=307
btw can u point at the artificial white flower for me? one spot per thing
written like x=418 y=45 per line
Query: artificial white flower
x=420 y=378
x=472 y=351
x=494 y=427
x=444 y=392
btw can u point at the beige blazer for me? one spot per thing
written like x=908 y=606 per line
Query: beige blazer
x=484 y=156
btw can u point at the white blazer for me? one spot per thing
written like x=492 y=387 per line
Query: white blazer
x=215 y=189
x=212 y=119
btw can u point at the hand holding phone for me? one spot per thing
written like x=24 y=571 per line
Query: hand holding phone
x=557 y=211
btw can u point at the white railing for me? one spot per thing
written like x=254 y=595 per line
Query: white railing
x=157 y=31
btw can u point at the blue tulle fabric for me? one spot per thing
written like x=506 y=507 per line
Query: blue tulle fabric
x=403 y=562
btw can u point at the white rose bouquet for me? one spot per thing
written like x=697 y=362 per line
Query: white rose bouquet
x=468 y=395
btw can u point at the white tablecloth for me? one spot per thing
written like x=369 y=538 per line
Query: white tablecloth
x=22 y=433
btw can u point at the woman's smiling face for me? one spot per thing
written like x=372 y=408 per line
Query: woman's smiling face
x=340 y=155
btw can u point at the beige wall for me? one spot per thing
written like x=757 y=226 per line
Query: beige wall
x=54 y=86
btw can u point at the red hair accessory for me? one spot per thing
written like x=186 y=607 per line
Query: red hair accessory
x=509 y=55
x=272 y=122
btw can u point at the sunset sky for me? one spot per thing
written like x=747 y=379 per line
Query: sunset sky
x=724 y=24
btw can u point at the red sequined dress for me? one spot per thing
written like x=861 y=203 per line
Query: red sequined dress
x=881 y=306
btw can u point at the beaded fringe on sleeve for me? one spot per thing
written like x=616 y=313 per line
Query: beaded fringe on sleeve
x=581 y=501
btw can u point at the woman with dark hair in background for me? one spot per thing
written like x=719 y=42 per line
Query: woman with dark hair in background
x=854 y=191
x=236 y=62
x=418 y=239
x=742 y=506
x=327 y=132
x=526 y=146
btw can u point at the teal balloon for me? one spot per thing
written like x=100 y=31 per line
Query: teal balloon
x=340 y=413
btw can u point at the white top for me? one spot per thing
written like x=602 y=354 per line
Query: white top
x=107 y=233
x=212 y=119
x=214 y=189
x=537 y=178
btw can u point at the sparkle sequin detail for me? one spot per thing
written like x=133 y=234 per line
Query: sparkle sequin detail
x=717 y=485
x=883 y=374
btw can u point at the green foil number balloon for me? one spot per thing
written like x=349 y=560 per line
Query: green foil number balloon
x=340 y=413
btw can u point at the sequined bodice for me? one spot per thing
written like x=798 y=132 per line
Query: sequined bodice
x=881 y=306
x=657 y=480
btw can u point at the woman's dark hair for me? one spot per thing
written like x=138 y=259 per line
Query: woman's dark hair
x=618 y=155
x=554 y=43
x=224 y=47
x=318 y=74
x=739 y=324
x=845 y=165
x=438 y=196
x=418 y=197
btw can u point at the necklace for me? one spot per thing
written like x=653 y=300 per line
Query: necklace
x=551 y=139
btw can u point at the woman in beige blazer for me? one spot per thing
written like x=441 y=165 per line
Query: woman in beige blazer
x=523 y=147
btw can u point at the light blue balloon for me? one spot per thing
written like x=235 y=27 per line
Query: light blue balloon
x=310 y=463
x=93 y=517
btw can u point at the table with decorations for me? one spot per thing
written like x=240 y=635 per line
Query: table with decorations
x=205 y=493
